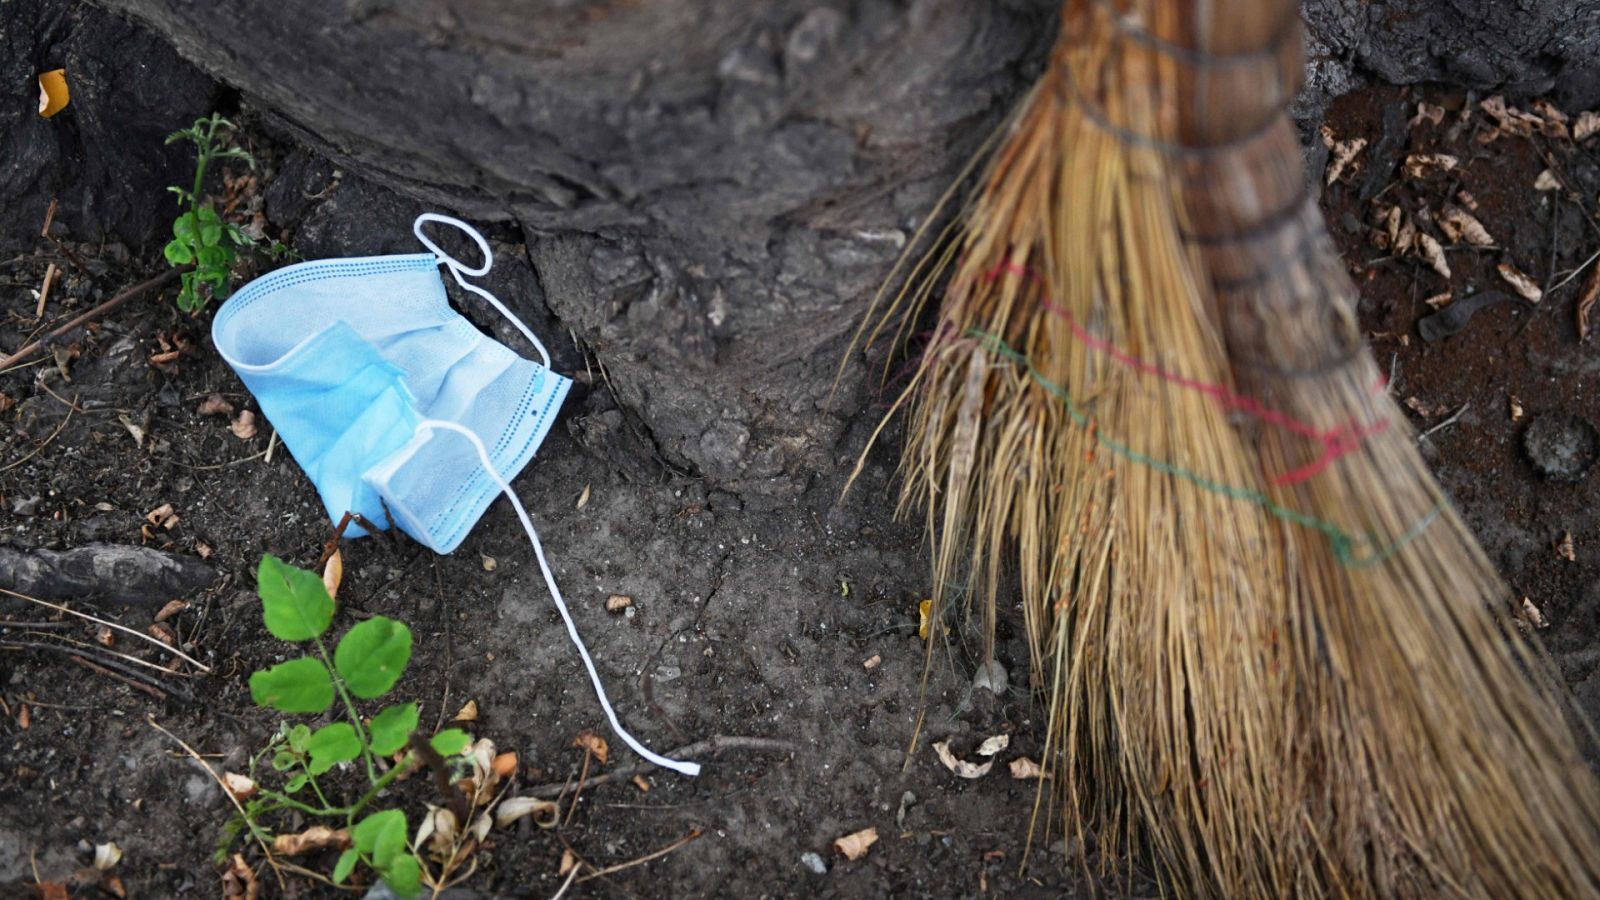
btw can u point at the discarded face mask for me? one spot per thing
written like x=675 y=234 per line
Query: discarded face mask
x=393 y=404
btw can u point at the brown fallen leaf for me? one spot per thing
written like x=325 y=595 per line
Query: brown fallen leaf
x=317 y=837
x=1433 y=253
x=214 y=405
x=112 y=885
x=1023 y=768
x=1520 y=282
x=583 y=498
x=104 y=636
x=1515 y=407
x=504 y=764
x=1586 y=298
x=1552 y=121
x=1420 y=164
x=641 y=784
x=467 y=713
x=172 y=608
x=203 y=549
x=333 y=573
x=993 y=745
x=244 y=426
x=1588 y=124
x=545 y=813
x=242 y=787
x=51 y=890
x=618 y=602
x=568 y=861
x=1530 y=614
x=1547 y=181
x=593 y=743
x=960 y=767
x=854 y=846
x=24 y=718
x=1459 y=225
x=1343 y=153
x=1426 y=112
x=1439 y=301
x=163 y=632
x=161 y=515
x=240 y=880
x=1566 y=549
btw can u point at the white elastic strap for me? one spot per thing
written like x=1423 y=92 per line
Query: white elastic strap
x=686 y=768
x=458 y=271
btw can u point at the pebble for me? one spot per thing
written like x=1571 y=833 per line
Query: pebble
x=814 y=862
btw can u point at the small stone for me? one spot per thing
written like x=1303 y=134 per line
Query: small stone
x=618 y=602
x=1561 y=447
x=991 y=676
x=814 y=862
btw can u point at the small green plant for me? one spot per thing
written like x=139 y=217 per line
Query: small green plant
x=199 y=235
x=364 y=665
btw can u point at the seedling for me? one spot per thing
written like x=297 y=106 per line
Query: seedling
x=364 y=665
x=199 y=235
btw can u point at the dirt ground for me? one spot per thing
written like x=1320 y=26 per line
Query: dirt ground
x=745 y=622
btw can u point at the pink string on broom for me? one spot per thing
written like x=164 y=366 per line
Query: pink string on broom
x=1334 y=442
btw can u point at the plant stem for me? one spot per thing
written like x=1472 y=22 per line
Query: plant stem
x=350 y=709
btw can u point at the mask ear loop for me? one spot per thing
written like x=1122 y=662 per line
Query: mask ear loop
x=686 y=768
x=458 y=271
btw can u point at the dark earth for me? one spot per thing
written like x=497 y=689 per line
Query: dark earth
x=751 y=620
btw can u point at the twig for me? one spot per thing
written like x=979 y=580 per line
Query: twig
x=137 y=684
x=265 y=850
x=44 y=232
x=46 y=442
x=564 y=885
x=159 y=281
x=44 y=290
x=611 y=870
x=1450 y=421
x=703 y=748
x=122 y=628
x=131 y=677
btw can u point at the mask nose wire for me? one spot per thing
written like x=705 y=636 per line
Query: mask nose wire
x=458 y=271
x=686 y=768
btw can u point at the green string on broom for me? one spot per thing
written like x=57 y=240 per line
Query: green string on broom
x=1343 y=543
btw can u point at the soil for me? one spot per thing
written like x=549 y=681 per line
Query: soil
x=746 y=621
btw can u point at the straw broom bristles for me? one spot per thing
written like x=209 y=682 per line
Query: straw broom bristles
x=1273 y=652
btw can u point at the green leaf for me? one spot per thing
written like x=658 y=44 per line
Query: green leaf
x=381 y=836
x=450 y=742
x=216 y=278
x=183 y=228
x=296 y=783
x=372 y=655
x=403 y=876
x=294 y=602
x=331 y=745
x=210 y=226
x=299 y=738
x=345 y=865
x=213 y=257
x=283 y=761
x=297 y=686
x=237 y=235
x=390 y=728
x=178 y=253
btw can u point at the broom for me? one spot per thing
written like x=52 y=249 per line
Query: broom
x=1277 y=661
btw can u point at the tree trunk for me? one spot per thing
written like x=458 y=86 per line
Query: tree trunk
x=710 y=190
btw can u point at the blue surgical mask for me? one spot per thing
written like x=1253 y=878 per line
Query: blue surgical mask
x=393 y=404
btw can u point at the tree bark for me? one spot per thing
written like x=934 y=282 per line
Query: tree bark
x=710 y=190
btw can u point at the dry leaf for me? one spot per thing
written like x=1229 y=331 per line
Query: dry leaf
x=1023 y=768
x=203 y=549
x=545 y=813
x=1439 y=301
x=489 y=562
x=1547 y=181
x=1343 y=152
x=107 y=855
x=1459 y=225
x=244 y=427
x=962 y=768
x=240 y=880
x=1588 y=123
x=162 y=632
x=240 y=786
x=1420 y=164
x=1566 y=549
x=1519 y=282
x=480 y=827
x=1515 y=407
x=583 y=498
x=172 y=608
x=504 y=765
x=593 y=743
x=51 y=890
x=467 y=713
x=641 y=784
x=568 y=861
x=618 y=602
x=872 y=663
x=112 y=885
x=1509 y=118
x=1426 y=112
x=133 y=429
x=1591 y=291
x=333 y=573
x=854 y=846
x=317 y=837
x=1531 y=615
x=1433 y=253
x=24 y=718
x=994 y=745
x=1553 y=122
x=1467 y=200
x=104 y=636
x=214 y=405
